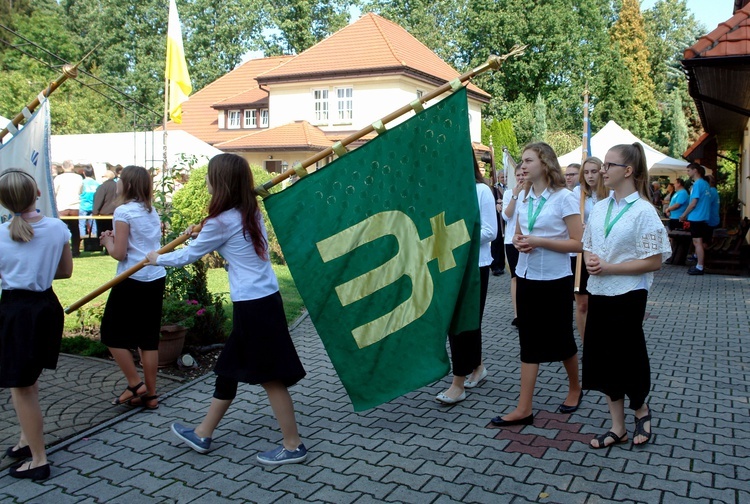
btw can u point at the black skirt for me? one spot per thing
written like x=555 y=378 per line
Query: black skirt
x=260 y=348
x=615 y=358
x=511 y=253
x=132 y=317
x=466 y=347
x=31 y=327
x=545 y=320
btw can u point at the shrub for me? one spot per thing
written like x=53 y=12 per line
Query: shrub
x=189 y=206
x=84 y=345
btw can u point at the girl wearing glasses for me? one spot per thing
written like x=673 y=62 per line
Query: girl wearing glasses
x=591 y=189
x=547 y=230
x=621 y=253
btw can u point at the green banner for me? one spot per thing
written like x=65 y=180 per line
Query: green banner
x=383 y=245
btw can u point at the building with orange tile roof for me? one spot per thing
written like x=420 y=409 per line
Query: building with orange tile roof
x=281 y=110
x=717 y=67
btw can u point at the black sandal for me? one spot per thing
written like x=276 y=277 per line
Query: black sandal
x=133 y=394
x=144 y=401
x=640 y=430
x=603 y=437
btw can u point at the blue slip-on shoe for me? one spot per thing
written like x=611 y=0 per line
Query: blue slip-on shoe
x=187 y=435
x=281 y=455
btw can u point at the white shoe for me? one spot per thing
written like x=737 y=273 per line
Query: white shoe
x=442 y=398
x=472 y=384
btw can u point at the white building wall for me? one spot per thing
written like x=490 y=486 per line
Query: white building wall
x=373 y=98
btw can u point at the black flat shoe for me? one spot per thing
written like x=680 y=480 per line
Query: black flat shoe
x=571 y=409
x=499 y=422
x=35 y=474
x=24 y=452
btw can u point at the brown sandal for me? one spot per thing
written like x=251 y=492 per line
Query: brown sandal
x=133 y=395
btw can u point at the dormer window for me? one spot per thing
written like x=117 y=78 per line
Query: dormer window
x=264 y=118
x=234 y=119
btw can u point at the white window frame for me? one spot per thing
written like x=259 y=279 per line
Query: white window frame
x=233 y=119
x=321 y=108
x=420 y=94
x=264 y=118
x=344 y=104
x=251 y=120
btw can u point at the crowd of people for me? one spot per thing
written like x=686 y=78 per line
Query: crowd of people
x=551 y=219
x=566 y=239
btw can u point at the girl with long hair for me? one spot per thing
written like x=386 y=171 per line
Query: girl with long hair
x=259 y=349
x=592 y=189
x=466 y=347
x=137 y=230
x=547 y=231
x=624 y=243
x=34 y=250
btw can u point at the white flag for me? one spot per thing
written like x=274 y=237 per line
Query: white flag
x=509 y=167
x=29 y=150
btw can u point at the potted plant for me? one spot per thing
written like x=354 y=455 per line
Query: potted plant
x=177 y=317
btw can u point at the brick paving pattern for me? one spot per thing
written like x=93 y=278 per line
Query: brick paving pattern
x=415 y=450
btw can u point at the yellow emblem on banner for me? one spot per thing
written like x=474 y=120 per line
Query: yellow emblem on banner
x=411 y=260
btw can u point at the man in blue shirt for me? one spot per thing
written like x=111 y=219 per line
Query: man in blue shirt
x=697 y=214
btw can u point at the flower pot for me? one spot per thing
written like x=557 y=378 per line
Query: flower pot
x=170 y=344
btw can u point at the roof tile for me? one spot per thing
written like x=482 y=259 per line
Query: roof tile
x=730 y=38
x=296 y=135
x=371 y=43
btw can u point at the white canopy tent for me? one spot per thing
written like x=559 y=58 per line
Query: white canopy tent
x=613 y=134
x=139 y=148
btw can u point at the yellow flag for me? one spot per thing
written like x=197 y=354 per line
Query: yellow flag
x=177 y=70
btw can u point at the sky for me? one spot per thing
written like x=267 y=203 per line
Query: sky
x=708 y=12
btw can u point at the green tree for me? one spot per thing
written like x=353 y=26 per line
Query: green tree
x=678 y=134
x=539 y=133
x=629 y=35
x=301 y=24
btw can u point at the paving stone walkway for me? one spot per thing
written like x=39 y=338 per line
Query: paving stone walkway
x=414 y=450
x=74 y=398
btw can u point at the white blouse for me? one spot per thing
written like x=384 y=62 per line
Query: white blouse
x=32 y=265
x=542 y=263
x=250 y=277
x=638 y=234
x=510 y=227
x=145 y=232
x=488 y=217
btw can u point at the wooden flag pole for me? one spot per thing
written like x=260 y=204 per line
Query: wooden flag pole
x=584 y=150
x=125 y=274
x=69 y=72
x=492 y=63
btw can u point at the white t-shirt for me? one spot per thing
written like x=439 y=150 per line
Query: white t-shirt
x=250 y=277
x=638 y=234
x=32 y=265
x=541 y=263
x=145 y=231
x=68 y=187
x=488 y=217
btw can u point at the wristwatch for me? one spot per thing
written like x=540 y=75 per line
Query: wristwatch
x=515 y=197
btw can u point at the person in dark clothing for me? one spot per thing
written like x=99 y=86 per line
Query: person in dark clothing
x=105 y=201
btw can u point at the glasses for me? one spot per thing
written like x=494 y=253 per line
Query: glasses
x=607 y=166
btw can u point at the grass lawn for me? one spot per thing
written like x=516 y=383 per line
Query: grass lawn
x=93 y=269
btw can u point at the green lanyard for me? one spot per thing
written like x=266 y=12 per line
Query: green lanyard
x=532 y=214
x=609 y=225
